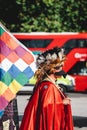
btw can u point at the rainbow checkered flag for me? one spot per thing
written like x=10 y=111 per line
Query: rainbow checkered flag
x=17 y=66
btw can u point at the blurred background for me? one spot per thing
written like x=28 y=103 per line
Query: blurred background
x=43 y=24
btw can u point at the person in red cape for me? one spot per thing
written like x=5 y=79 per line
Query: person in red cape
x=48 y=108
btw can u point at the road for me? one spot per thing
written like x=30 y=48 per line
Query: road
x=78 y=103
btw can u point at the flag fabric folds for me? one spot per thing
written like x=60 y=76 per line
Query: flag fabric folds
x=17 y=66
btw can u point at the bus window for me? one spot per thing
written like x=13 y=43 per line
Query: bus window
x=36 y=43
x=74 y=43
x=82 y=43
x=80 y=68
x=69 y=45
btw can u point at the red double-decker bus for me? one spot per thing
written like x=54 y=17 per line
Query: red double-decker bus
x=75 y=45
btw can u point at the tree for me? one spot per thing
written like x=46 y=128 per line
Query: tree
x=44 y=15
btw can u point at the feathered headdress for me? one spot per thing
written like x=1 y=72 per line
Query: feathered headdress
x=48 y=60
x=49 y=56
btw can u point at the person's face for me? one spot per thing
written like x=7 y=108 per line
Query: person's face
x=58 y=69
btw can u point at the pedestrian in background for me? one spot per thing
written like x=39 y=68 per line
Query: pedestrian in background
x=48 y=108
x=7 y=121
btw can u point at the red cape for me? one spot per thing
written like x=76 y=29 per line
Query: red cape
x=45 y=110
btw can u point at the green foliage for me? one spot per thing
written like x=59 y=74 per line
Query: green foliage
x=44 y=15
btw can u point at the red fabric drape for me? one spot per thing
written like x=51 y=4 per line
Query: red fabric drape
x=45 y=110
